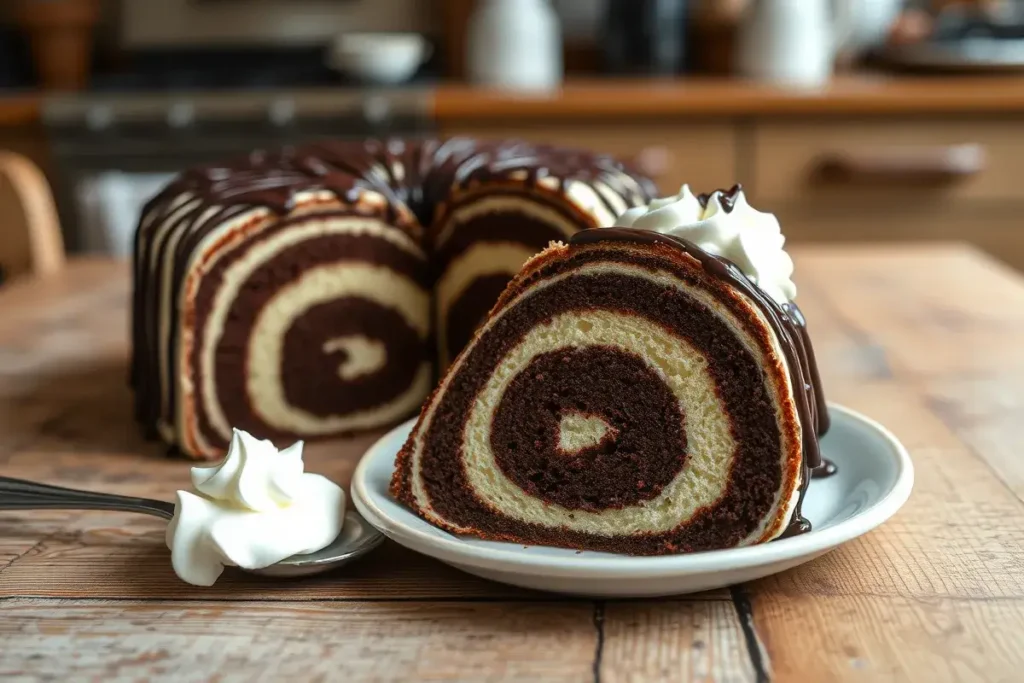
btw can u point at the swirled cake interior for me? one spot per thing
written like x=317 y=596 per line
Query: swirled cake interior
x=296 y=294
x=631 y=392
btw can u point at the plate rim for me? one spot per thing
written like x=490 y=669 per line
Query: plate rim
x=451 y=548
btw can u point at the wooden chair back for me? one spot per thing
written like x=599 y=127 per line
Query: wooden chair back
x=30 y=238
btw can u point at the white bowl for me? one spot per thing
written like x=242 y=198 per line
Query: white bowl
x=873 y=480
x=385 y=58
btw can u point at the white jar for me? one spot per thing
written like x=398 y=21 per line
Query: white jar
x=515 y=44
x=794 y=42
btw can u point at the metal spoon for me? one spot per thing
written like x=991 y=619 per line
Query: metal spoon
x=356 y=539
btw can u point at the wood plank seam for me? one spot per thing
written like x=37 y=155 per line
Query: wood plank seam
x=755 y=648
x=599 y=647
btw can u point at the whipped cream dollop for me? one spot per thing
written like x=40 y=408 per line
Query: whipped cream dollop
x=723 y=224
x=254 y=508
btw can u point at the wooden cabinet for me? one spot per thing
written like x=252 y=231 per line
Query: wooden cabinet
x=904 y=180
x=829 y=180
x=908 y=161
x=673 y=153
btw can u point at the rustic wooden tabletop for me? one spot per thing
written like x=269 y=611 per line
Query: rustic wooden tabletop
x=926 y=339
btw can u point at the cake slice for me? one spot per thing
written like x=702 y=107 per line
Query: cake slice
x=630 y=392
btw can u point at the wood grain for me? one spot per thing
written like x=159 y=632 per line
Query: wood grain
x=674 y=641
x=924 y=338
x=873 y=638
x=936 y=312
x=167 y=641
x=59 y=559
x=984 y=411
x=936 y=593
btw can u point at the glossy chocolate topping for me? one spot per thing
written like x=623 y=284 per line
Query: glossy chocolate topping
x=413 y=176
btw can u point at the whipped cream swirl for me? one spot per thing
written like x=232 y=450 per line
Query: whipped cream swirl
x=254 y=508
x=725 y=225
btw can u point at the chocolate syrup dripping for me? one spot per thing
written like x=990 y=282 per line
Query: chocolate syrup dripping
x=825 y=470
x=789 y=326
x=726 y=197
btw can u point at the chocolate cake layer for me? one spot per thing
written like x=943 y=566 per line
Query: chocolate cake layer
x=645 y=453
x=469 y=310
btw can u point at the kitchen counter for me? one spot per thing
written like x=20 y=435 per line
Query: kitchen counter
x=845 y=96
x=932 y=595
x=19 y=109
x=918 y=158
x=915 y=158
x=597 y=99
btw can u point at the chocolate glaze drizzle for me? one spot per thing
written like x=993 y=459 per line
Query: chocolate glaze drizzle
x=726 y=197
x=414 y=176
x=786 y=321
x=825 y=470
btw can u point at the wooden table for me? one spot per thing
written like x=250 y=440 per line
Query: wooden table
x=926 y=339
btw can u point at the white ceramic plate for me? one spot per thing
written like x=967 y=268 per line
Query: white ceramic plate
x=873 y=481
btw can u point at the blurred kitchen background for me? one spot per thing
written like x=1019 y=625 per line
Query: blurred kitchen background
x=851 y=119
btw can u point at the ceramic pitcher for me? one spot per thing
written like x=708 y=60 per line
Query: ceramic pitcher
x=515 y=44
x=794 y=42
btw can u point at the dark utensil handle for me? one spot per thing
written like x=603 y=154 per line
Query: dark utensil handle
x=18 y=494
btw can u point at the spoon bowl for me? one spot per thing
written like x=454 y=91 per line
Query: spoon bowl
x=356 y=539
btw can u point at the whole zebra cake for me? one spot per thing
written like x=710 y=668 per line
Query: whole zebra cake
x=289 y=294
x=644 y=390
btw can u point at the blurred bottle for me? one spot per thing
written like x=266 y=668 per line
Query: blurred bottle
x=646 y=37
x=714 y=25
x=515 y=44
x=61 y=33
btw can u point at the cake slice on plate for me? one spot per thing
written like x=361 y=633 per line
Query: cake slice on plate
x=644 y=390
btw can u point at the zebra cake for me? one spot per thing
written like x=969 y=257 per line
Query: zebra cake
x=295 y=293
x=648 y=389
